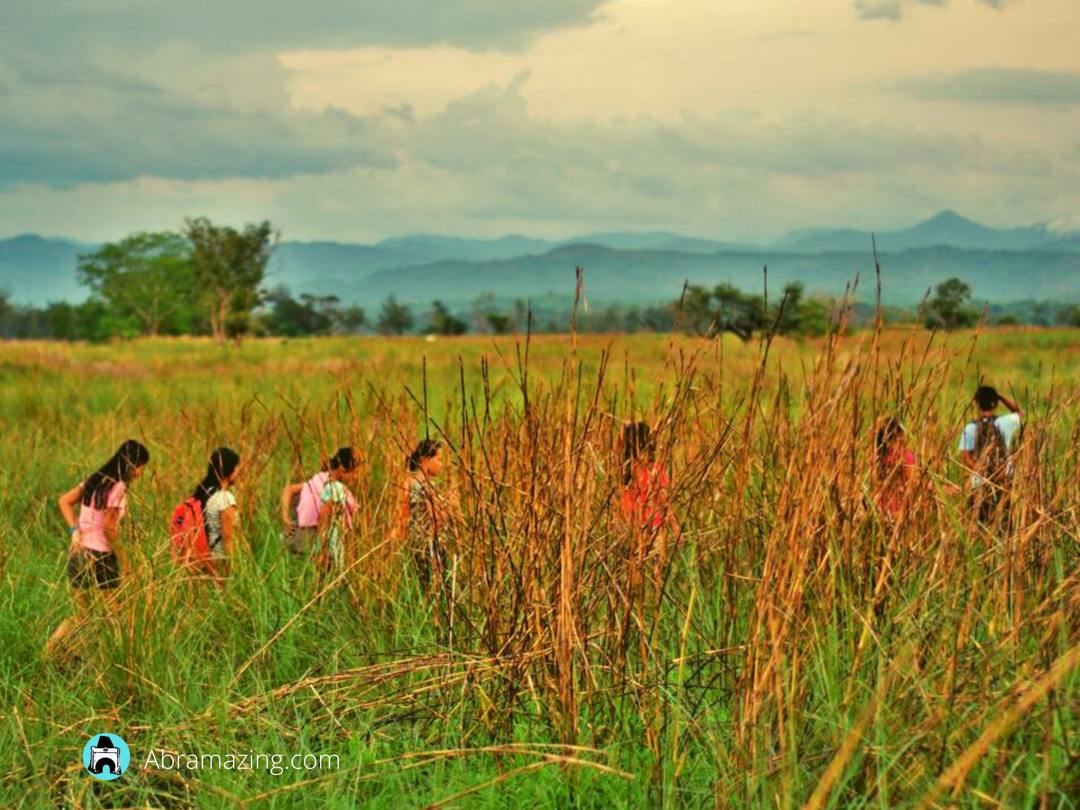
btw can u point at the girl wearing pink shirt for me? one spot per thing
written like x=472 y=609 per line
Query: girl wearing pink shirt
x=302 y=532
x=93 y=559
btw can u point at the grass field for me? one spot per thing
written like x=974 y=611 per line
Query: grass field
x=800 y=650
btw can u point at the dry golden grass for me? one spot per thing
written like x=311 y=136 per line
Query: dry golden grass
x=789 y=645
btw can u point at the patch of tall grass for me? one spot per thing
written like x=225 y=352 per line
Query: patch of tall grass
x=788 y=647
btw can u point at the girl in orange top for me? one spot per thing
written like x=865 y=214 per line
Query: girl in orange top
x=895 y=468
x=645 y=497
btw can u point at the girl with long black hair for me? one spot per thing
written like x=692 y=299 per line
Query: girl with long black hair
x=219 y=505
x=95 y=556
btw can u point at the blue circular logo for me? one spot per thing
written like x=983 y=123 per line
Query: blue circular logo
x=106 y=756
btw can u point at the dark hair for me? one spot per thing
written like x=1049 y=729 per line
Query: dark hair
x=637 y=440
x=428 y=448
x=119 y=468
x=987 y=397
x=223 y=463
x=888 y=433
x=344 y=459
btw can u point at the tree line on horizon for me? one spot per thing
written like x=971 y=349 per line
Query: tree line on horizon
x=208 y=279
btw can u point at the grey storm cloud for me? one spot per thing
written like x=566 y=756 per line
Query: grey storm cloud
x=95 y=126
x=894 y=9
x=997 y=86
x=104 y=90
x=230 y=26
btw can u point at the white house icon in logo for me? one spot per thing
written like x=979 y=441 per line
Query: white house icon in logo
x=103 y=754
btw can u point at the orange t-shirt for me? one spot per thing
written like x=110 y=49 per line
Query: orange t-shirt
x=644 y=500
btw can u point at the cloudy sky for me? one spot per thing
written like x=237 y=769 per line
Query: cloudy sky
x=361 y=119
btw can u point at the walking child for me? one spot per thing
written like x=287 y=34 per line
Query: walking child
x=426 y=513
x=337 y=508
x=219 y=508
x=302 y=532
x=895 y=470
x=645 y=499
x=985 y=445
x=96 y=558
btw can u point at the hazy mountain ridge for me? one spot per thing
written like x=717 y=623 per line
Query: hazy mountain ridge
x=645 y=277
x=946 y=228
x=621 y=267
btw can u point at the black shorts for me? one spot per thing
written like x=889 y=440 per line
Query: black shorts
x=302 y=539
x=87 y=568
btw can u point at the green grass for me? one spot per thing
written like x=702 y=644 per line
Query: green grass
x=774 y=644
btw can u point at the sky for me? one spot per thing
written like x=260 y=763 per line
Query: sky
x=357 y=120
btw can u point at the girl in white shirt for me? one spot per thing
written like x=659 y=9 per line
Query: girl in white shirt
x=219 y=506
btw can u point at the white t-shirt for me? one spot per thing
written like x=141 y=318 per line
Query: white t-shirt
x=215 y=505
x=1008 y=425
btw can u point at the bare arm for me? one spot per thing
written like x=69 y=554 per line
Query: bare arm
x=290 y=492
x=1011 y=405
x=969 y=460
x=228 y=529
x=67 y=503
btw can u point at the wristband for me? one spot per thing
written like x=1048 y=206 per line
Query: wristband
x=72 y=529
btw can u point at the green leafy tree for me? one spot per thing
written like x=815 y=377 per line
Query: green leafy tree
x=62 y=320
x=1069 y=316
x=659 y=318
x=722 y=309
x=814 y=318
x=394 y=318
x=949 y=308
x=500 y=324
x=442 y=322
x=229 y=266
x=788 y=309
x=351 y=320
x=310 y=315
x=737 y=312
x=288 y=317
x=147 y=281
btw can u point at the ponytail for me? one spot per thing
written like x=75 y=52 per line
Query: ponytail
x=223 y=463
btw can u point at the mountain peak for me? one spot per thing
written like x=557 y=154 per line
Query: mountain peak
x=948 y=217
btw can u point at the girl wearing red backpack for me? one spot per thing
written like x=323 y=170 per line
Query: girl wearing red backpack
x=95 y=556
x=219 y=507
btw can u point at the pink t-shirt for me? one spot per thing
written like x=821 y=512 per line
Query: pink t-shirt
x=307 y=510
x=92 y=519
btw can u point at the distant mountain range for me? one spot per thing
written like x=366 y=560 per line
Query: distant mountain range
x=1000 y=264
x=947 y=228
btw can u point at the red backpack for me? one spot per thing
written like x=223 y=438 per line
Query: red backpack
x=190 y=545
